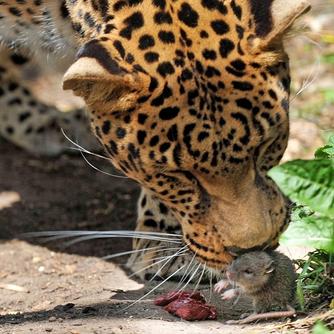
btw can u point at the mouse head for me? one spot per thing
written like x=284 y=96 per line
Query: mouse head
x=251 y=270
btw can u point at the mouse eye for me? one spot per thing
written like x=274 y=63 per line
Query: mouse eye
x=248 y=272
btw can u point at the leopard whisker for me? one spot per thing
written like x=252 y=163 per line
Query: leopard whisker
x=166 y=258
x=159 y=258
x=157 y=251
x=82 y=149
x=211 y=285
x=181 y=252
x=100 y=170
x=93 y=237
x=200 y=278
x=112 y=256
x=187 y=271
x=191 y=277
x=73 y=233
x=154 y=261
x=311 y=78
x=80 y=236
x=149 y=266
x=152 y=290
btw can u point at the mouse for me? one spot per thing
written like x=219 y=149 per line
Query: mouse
x=268 y=278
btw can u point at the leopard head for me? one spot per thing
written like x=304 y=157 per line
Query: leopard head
x=191 y=99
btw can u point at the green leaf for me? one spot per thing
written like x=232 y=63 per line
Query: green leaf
x=308 y=182
x=300 y=295
x=328 y=135
x=329 y=58
x=329 y=95
x=312 y=231
x=320 y=328
x=326 y=152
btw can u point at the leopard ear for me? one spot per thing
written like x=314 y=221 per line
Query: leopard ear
x=97 y=77
x=273 y=18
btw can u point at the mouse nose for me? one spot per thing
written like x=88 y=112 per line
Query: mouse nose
x=231 y=275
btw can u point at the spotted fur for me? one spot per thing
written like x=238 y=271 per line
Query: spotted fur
x=189 y=98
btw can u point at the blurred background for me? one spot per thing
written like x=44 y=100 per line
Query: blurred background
x=311 y=50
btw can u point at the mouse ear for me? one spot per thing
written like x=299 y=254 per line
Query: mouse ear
x=270 y=267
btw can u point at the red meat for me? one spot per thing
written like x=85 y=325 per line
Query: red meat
x=174 y=295
x=193 y=311
x=179 y=303
x=187 y=305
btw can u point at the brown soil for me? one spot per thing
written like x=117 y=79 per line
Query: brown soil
x=51 y=289
x=64 y=193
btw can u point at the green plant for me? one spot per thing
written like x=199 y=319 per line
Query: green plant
x=328 y=95
x=326 y=152
x=320 y=328
x=329 y=58
x=315 y=284
x=310 y=184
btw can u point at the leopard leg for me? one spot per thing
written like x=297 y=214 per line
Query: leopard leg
x=28 y=122
x=158 y=259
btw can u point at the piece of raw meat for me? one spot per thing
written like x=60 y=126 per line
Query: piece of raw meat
x=187 y=305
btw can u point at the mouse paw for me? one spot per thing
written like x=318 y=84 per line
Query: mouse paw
x=221 y=285
x=230 y=294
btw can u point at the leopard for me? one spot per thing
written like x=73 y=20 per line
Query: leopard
x=190 y=99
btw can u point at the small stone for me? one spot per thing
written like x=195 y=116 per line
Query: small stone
x=77 y=324
x=64 y=308
x=52 y=319
x=89 y=309
x=68 y=306
x=48 y=329
x=36 y=259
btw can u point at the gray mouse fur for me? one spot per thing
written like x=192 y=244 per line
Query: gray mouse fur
x=268 y=278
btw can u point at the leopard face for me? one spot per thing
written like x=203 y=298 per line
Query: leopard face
x=191 y=100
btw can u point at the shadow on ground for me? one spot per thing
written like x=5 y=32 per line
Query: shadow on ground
x=46 y=288
x=64 y=194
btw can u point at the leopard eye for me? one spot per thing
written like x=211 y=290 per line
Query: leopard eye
x=248 y=271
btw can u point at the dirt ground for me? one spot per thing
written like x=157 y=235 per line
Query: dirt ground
x=46 y=288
